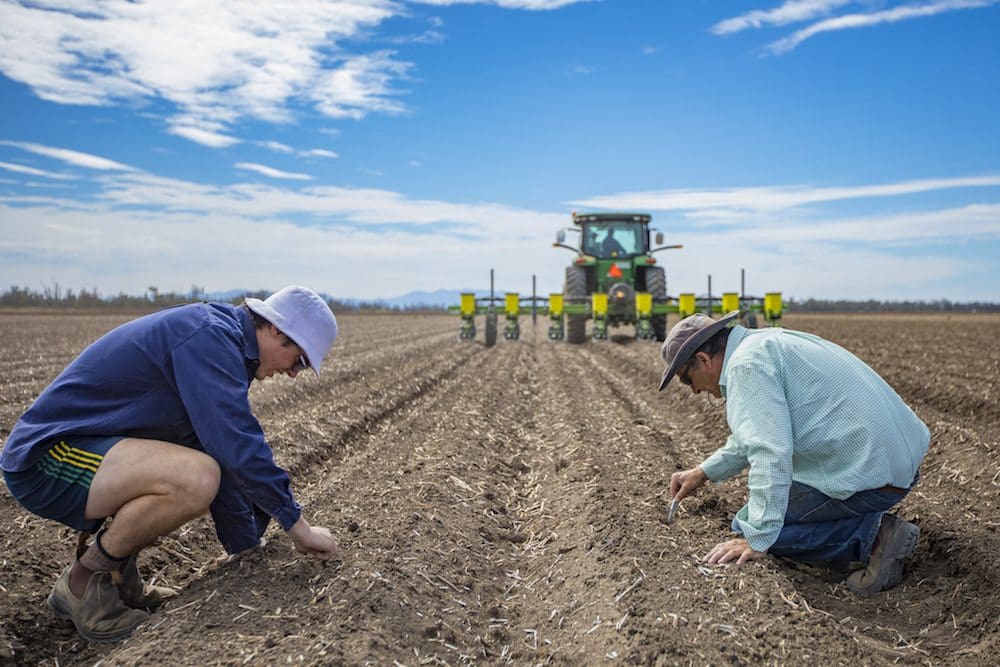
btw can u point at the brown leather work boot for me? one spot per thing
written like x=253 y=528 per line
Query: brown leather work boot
x=897 y=540
x=100 y=615
x=135 y=593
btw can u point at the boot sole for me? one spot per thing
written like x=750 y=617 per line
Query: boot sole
x=909 y=543
x=904 y=544
x=56 y=605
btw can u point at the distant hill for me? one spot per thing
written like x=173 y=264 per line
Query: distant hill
x=441 y=298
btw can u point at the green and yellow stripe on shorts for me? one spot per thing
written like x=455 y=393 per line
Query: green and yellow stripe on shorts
x=70 y=464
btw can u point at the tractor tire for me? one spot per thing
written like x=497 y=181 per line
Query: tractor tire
x=575 y=291
x=491 y=329
x=656 y=285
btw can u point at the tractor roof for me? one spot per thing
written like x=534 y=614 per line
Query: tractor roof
x=580 y=218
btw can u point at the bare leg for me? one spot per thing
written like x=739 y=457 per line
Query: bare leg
x=151 y=488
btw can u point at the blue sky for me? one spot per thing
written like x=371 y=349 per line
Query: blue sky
x=368 y=148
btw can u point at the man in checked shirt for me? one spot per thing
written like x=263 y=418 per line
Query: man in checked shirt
x=830 y=446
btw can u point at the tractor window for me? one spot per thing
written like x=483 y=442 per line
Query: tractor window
x=607 y=241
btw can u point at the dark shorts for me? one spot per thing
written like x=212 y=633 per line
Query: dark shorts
x=56 y=487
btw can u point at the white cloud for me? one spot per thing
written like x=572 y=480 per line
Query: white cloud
x=331 y=204
x=792 y=11
x=796 y=11
x=732 y=201
x=97 y=246
x=894 y=15
x=319 y=152
x=97 y=243
x=75 y=158
x=31 y=171
x=272 y=172
x=962 y=224
x=276 y=146
x=202 y=136
x=138 y=231
x=508 y=4
x=216 y=62
x=359 y=86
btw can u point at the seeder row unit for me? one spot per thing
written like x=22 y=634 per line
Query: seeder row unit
x=603 y=309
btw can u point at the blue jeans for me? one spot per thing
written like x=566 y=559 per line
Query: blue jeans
x=836 y=533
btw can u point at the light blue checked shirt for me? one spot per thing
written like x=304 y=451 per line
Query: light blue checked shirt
x=802 y=408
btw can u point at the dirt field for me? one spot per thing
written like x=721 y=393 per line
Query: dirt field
x=508 y=505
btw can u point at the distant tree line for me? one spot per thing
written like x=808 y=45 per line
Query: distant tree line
x=876 y=306
x=56 y=297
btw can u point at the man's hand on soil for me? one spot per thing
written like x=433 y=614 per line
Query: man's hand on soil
x=736 y=549
x=313 y=540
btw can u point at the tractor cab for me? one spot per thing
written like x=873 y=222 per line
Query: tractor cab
x=614 y=260
x=614 y=240
x=612 y=236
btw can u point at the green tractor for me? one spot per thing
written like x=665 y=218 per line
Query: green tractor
x=614 y=258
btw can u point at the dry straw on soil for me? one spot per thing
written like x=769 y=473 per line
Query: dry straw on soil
x=509 y=505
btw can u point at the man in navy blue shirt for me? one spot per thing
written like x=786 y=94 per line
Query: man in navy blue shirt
x=151 y=425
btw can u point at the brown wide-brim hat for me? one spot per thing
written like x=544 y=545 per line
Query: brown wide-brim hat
x=686 y=337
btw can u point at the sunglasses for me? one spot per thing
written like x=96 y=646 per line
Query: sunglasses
x=301 y=364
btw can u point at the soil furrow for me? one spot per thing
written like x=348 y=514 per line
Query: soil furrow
x=507 y=505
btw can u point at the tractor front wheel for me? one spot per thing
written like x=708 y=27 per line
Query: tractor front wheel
x=656 y=285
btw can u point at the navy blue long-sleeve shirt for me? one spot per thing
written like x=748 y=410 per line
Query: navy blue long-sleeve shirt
x=182 y=376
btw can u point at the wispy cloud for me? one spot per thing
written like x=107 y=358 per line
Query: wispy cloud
x=894 y=15
x=276 y=146
x=432 y=35
x=285 y=149
x=319 y=152
x=75 y=158
x=733 y=201
x=31 y=171
x=188 y=129
x=342 y=205
x=792 y=11
x=271 y=172
x=508 y=4
x=797 y=11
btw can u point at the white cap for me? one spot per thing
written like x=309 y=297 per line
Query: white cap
x=303 y=316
